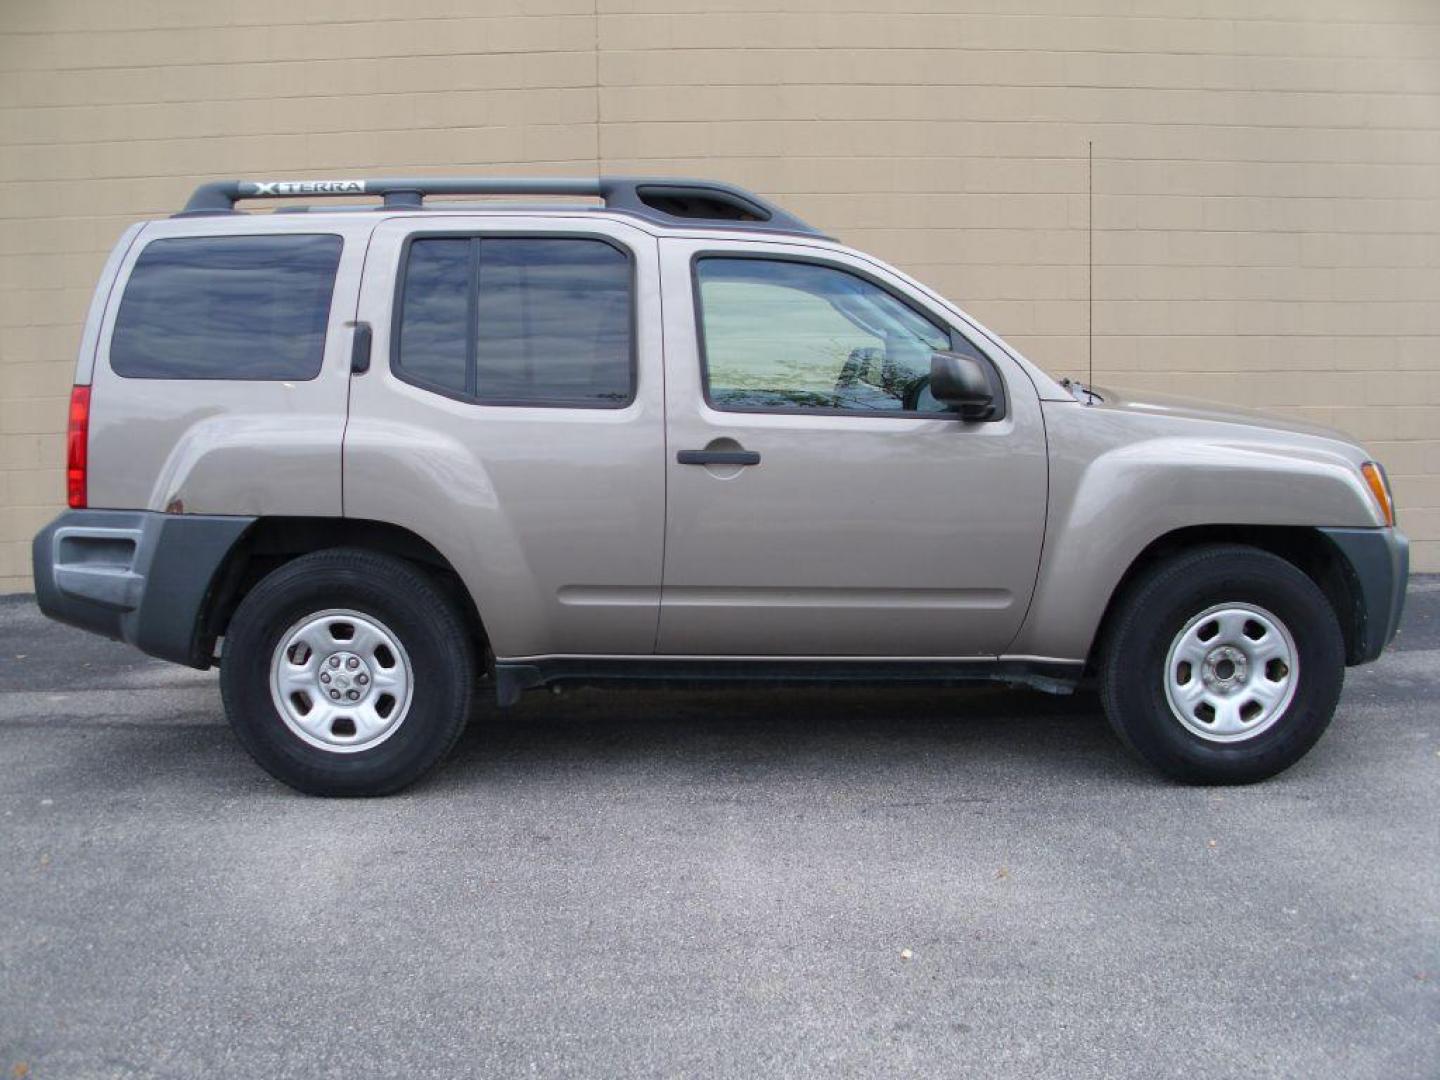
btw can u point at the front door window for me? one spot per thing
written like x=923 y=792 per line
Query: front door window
x=780 y=335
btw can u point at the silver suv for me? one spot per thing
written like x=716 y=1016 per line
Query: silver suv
x=378 y=460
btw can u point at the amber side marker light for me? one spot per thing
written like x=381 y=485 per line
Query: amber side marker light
x=77 y=447
x=1374 y=474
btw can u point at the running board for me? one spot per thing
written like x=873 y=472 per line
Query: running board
x=514 y=677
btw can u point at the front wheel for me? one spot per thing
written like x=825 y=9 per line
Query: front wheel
x=347 y=672
x=1224 y=665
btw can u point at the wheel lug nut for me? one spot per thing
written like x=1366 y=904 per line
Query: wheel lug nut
x=362 y=678
x=334 y=661
x=353 y=695
x=324 y=677
x=335 y=694
x=352 y=663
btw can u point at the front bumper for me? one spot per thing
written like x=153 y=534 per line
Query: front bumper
x=1378 y=562
x=134 y=575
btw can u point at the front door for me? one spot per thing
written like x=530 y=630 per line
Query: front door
x=819 y=501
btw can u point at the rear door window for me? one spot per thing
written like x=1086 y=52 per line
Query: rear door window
x=439 y=311
x=518 y=320
x=227 y=307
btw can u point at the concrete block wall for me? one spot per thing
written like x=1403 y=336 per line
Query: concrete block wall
x=1266 y=172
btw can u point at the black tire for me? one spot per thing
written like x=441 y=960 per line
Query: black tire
x=1158 y=607
x=407 y=602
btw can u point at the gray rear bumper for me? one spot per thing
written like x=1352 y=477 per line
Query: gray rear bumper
x=136 y=576
x=1379 y=561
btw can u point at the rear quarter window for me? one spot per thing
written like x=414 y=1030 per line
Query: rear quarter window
x=227 y=307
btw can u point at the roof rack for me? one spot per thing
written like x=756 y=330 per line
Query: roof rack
x=664 y=199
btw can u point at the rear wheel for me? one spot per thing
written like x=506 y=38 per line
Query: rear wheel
x=347 y=672
x=1224 y=665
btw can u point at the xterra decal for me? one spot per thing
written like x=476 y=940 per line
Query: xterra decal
x=308 y=187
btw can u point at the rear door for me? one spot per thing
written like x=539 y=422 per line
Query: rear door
x=513 y=416
x=848 y=514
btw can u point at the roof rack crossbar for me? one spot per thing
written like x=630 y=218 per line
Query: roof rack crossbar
x=666 y=198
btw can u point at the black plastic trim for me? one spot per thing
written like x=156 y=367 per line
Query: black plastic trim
x=717 y=457
x=150 y=583
x=958 y=342
x=360 y=342
x=1379 y=562
x=514 y=677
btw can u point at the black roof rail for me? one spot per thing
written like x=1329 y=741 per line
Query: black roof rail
x=669 y=200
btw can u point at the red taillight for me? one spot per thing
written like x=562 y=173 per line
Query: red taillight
x=77 y=445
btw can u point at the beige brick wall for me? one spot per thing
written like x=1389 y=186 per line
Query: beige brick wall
x=1267 y=172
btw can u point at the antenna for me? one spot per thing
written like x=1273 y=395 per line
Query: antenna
x=1090 y=268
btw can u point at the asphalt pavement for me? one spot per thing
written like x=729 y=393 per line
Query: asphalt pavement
x=757 y=883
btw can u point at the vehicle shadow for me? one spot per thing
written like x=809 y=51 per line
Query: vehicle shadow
x=976 y=744
x=800 y=731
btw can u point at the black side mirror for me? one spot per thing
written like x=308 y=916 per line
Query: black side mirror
x=961 y=382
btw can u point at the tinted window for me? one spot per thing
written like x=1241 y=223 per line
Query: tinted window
x=786 y=335
x=518 y=321
x=437 y=312
x=235 y=307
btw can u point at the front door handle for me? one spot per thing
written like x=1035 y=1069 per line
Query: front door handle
x=718 y=457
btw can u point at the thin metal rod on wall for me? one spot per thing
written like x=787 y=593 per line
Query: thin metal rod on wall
x=1090 y=262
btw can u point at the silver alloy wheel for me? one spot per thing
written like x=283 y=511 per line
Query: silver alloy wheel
x=1231 y=672
x=341 y=680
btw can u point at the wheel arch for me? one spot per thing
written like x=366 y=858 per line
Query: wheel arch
x=1304 y=547
x=271 y=542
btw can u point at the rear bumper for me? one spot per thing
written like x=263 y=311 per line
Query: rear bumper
x=1379 y=569
x=135 y=576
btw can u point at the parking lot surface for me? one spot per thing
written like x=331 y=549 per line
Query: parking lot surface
x=712 y=884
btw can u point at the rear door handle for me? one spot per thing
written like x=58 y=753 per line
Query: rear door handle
x=718 y=457
x=360 y=349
